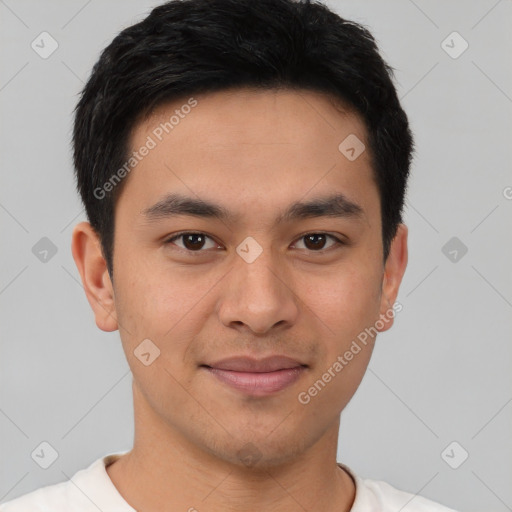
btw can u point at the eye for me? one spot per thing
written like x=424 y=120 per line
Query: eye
x=316 y=241
x=192 y=242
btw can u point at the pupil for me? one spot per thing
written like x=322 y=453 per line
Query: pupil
x=196 y=245
x=313 y=237
x=315 y=241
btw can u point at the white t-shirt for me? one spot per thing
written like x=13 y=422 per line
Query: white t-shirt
x=91 y=490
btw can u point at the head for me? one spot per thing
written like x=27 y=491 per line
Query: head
x=216 y=117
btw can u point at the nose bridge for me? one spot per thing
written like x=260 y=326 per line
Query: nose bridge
x=259 y=270
x=263 y=269
x=259 y=293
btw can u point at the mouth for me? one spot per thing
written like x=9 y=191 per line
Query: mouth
x=257 y=377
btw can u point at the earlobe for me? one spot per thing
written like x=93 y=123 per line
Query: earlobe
x=86 y=250
x=394 y=270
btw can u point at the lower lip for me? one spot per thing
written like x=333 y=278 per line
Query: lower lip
x=258 y=384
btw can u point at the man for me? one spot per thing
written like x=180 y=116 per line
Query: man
x=243 y=166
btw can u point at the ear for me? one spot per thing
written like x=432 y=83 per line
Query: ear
x=394 y=270
x=91 y=264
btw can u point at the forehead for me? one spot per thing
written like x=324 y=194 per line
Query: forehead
x=272 y=115
x=250 y=147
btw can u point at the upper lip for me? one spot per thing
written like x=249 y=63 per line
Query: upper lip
x=249 y=364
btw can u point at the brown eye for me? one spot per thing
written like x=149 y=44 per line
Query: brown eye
x=317 y=241
x=192 y=242
x=195 y=242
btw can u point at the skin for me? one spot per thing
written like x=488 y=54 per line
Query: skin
x=254 y=152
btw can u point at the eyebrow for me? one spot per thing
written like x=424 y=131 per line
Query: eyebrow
x=174 y=204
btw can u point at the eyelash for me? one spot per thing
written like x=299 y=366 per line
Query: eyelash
x=338 y=242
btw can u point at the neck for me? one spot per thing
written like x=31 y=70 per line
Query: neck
x=166 y=471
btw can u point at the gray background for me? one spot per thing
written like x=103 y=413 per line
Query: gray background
x=442 y=374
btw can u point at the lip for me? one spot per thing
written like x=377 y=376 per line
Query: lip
x=249 y=364
x=257 y=377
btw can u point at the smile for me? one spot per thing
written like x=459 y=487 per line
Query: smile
x=257 y=378
x=258 y=383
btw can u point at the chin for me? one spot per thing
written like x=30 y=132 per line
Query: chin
x=258 y=452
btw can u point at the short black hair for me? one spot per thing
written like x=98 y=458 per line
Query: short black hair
x=187 y=47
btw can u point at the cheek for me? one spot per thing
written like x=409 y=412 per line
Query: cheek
x=346 y=306
x=346 y=301
x=169 y=308
x=148 y=296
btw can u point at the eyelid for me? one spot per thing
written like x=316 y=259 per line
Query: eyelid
x=339 y=241
x=175 y=236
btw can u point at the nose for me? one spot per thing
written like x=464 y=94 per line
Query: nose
x=259 y=295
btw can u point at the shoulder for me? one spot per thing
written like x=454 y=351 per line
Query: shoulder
x=51 y=498
x=393 y=499
x=379 y=496
x=89 y=490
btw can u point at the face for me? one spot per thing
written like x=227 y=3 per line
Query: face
x=287 y=291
